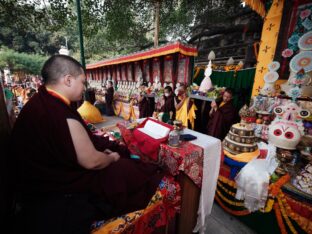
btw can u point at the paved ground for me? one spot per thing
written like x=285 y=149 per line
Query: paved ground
x=219 y=221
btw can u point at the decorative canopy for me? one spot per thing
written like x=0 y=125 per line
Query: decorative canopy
x=257 y=6
x=176 y=47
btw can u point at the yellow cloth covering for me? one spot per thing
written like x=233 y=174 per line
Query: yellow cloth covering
x=257 y=6
x=90 y=113
x=221 y=104
x=184 y=116
x=270 y=31
x=243 y=157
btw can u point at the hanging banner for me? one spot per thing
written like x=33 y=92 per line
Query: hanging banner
x=114 y=73
x=104 y=74
x=146 y=71
x=168 y=69
x=118 y=73
x=123 y=72
x=257 y=6
x=268 y=43
x=129 y=72
x=182 y=69
x=156 y=69
x=138 y=72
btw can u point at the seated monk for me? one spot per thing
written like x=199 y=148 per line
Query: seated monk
x=63 y=176
x=185 y=108
x=222 y=116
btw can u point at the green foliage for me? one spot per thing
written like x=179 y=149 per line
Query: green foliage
x=110 y=27
x=21 y=62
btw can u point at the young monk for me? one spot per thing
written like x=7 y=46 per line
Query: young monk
x=65 y=176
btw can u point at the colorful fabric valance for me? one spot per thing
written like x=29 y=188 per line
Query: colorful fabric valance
x=177 y=47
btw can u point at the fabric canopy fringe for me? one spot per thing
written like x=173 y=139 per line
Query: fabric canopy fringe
x=257 y=6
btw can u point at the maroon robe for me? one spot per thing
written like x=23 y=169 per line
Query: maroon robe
x=221 y=120
x=144 y=107
x=109 y=97
x=46 y=162
x=169 y=106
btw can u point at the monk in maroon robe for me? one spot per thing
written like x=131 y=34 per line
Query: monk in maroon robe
x=169 y=105
x=109 y=97
x=222 y=116
x=143 y=102
x=65 y=176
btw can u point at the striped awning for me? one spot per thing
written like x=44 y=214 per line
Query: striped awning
x=167 y=49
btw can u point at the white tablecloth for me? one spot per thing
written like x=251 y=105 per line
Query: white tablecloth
x=211 y=167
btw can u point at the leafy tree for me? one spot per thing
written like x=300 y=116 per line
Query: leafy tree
x=21 y=62
x=110 y=27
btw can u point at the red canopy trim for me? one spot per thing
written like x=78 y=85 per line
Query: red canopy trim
x=257 y=6
x=177 y=47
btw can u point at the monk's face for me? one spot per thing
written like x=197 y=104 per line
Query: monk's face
x=227 y=97
x=78 y=87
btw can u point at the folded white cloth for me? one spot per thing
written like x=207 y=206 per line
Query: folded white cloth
x=211 y=167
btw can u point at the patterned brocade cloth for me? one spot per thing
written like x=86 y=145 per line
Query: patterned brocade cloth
x=187 y=158
x=201 y=165
x=160 y=210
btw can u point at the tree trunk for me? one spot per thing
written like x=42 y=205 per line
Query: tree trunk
x=156 y=36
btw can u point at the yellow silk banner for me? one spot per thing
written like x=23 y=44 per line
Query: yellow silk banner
x=257 y=6
x=268 y=43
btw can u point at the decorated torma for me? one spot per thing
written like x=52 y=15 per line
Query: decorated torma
x=287 y=128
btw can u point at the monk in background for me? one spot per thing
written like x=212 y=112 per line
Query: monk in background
x=222 y=116
x=169 y=102
x=64 y=177
x=185 y=108
x=109 y=98
x=143 y=102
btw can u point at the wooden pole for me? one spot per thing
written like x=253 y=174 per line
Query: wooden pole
x=82 y=57
x=156 y=36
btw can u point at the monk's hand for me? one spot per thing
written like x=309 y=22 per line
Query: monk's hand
x=114 y=156
x=108 y=151
x=121 y=143
x=213 y=105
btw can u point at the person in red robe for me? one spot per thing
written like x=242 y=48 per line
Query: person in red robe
x=64 y=176
x=169 y=102
x=143 y=102
x=222 y=116
x=109 y=98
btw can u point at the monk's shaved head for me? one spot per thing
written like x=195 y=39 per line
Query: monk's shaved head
x=58 y=66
